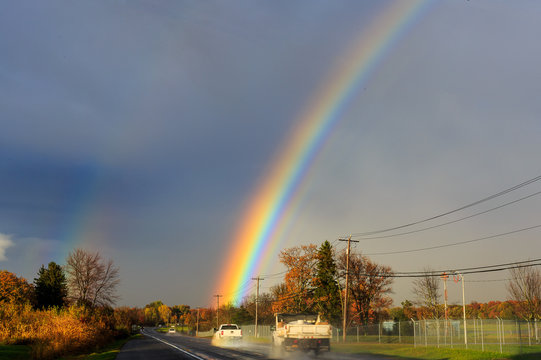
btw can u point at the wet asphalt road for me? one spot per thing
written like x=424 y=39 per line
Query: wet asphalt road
x=158 y=346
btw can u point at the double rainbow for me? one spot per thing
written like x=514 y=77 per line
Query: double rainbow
x=257 y=237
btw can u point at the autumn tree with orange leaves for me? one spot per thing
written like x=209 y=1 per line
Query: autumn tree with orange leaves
x=15 y=290
x=296 y=293
x=369 y=285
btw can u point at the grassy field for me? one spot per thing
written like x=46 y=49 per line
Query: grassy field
x=14 y=352
x=108 y=352
x=399 y=351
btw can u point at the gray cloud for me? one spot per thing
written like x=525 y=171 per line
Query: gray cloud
x=5 y=242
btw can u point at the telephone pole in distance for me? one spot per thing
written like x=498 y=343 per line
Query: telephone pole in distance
x=347 y=287
x=218 y=310
x=256 y=301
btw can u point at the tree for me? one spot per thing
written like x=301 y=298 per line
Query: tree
x=525 y=288
x=265 y=313
x=165 y=313
x=427 y=289
x=327 y=292
x=369 y=284
x=179 y=312
x=282 y=300
x=50 y=286
x=91 y=280
x=15 y=290
x=300 y=262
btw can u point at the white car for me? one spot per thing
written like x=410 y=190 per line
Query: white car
x=172 y=330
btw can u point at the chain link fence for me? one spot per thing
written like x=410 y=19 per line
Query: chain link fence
x=262 y=330
x=480 y=334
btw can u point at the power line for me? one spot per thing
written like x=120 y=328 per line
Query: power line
x=433 y=274
x=527 y=182
x=483 y=281
x=456 y=243
x=467 y=269
x=449 y=222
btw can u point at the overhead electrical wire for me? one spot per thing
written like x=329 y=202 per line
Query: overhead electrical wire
x=514 y=264
x=454 y=244
x=446 y=223
x=508 y=190
x=438 y=274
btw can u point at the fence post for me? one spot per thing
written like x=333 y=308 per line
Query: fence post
x=499 y=334
x=536 y=333
x=482 y=336
x=520 y=334
x=426 y=339
x=399 y=335
x=451 y=332
x=357 y=333
x=414 y=334
x=529 y=336
x=438 y=331
x=379 y=332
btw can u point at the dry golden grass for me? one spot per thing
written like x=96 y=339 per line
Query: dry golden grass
x=52 y=333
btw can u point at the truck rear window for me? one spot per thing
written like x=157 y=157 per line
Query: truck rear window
x=229 y=327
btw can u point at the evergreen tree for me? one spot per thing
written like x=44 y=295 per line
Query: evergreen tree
x=50 y=286
x=327 y=292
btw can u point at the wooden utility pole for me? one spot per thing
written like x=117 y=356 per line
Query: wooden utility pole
x=256 y=302
x=197 y=324
x=347 y=287
x=218 y=310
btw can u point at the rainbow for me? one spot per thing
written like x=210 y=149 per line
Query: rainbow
x=258 y=235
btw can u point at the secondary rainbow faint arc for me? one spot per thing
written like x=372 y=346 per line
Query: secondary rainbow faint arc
x=255 y=237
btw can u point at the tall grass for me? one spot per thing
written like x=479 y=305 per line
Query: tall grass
x=55 y=332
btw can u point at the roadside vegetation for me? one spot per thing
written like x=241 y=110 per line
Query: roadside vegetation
x=59 y=315
x=108 y=352
x=399 y=351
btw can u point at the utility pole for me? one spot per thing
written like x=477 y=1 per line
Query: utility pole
x=463 y=309
x=256 y=302
x=197 y=324
x=347 y=287
x=444 y=276
x=218 y=310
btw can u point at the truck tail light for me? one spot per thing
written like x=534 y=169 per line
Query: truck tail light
x=222 y=332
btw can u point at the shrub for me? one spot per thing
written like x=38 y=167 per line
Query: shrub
x=54 y=332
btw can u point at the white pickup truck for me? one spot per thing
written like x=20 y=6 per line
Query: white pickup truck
x=301 y=332
x=227 y=334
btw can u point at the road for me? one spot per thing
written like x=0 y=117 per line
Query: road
x=160 y=346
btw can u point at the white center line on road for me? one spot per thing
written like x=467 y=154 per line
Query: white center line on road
x=176 y=347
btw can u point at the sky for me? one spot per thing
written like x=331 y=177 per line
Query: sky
x=141 y=130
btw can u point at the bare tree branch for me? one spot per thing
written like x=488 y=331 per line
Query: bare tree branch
x=91 y=281
x=427 y=290
x=525 y=288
